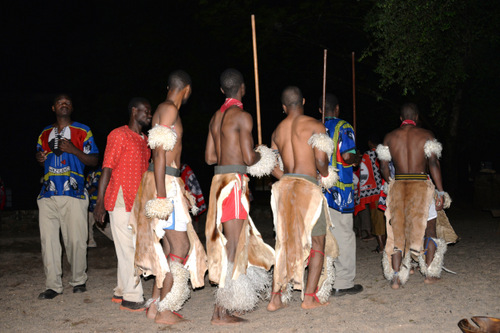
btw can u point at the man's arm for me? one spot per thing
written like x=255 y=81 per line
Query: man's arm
x=384 y=165
x=167 y=117
x=277 y=172
x=245 y=123
x=67 y=146
x=99 y=210
x=210 y=154
x=321 y=158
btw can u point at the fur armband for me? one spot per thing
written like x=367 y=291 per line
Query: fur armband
x=266 y=164
x=446 y=199
x=433 y=146
x=323 y=142
x=159 y=208
x=162 y=136
x=383 y=153
x=330 y=180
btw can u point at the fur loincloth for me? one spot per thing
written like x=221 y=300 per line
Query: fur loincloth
x=297 y=204
x=406 y=215
x=252 y=252
x=149 y=256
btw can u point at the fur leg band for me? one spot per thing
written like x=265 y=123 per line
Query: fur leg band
x=162 y=136
x=383 y=153
x=404 y=270
x=244 y=293
x=433 y=147
x=436 y=266
x=266 y=164
x=327 y=286
x=330 y=180
x=179 y=293
x=323 y=142
x=159 y=208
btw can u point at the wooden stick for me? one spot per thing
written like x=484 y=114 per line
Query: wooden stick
x=256 y=72
x=324 y=87
x=353 y=94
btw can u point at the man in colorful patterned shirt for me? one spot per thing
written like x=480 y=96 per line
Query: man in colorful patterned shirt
x=64 y=149
x=341 y=197
x=125 y=160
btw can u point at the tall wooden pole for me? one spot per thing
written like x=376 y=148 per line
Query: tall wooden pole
x=256 y=72
x=353 y=94
x=324 y=87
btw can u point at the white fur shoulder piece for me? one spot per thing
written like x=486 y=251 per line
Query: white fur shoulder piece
x=383 y=153
x=330 y=180
x=159 y=208
x=162 y=136
x=323 y=142
x=433 y=146
x=266 y=164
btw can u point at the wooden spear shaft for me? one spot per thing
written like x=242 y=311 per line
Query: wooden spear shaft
x=324 y=87
x=256 y=72
x=353 y=94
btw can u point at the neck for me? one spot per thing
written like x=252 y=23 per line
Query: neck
x=62 y=122
x=408 y=122
x=134 y=126
x=175 y=97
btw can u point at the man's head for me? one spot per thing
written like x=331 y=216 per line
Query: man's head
x=231 y=82
x=292 y=98
x=180 y=81
x=139 y=109
x=331 y=105
x=409 y=111
x=63 y=106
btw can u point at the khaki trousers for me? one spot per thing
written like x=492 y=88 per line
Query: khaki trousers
x=129 y=284
x=345 y=263
x=69 y=216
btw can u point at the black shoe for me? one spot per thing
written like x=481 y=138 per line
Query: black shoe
x=132 y=306
x=48 y=294
x=354 y=290
x=81 y=288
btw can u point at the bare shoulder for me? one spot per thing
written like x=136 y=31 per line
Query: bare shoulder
x=167 y=107
x=313 y=124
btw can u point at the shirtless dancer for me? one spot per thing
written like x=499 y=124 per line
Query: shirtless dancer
x=161 y=212
x=300 y=210
x=238 y=259
x=410 y=199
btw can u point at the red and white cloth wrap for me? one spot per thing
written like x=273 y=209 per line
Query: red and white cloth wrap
x=230 y=102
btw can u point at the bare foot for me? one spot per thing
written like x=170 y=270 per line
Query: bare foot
x=412 y=270
x=168 y=318
x=151 y=311
x=431 y=280
x=221 y=317
x=311 y=303
x=395 y=284
x=275 y=303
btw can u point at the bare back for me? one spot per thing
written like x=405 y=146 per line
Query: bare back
x=167 y=115
x=291 y=139
x=406 y=145
x=230 y=140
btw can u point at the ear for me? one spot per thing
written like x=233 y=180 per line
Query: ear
x=303 y=101
x=53 y=108
x=401 y=118
x=243 y=89
x=222 y=90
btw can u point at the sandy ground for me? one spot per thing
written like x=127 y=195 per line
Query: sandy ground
x=417 y=307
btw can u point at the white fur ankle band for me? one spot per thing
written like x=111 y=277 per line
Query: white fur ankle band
x=433 y=147
x=159 y=208
x=383 y=153
x=179 y=293
x=266 y=164
x=323 y=142
x=162 y=136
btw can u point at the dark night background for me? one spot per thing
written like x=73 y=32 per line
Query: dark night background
x=104 y=53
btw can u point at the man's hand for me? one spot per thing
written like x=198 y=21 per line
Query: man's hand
x=41 y=156
x=67 y=146
x=99 y=213
x=439 y=202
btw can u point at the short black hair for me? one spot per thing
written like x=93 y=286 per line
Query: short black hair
x=292 y=96
x=59 y=96
x=134 y=102
x=231 y=81
x=331 y=102
x=178 y=80
x=409 y=111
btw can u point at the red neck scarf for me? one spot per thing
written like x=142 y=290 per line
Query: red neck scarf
x=230 y=102
x=408 y=122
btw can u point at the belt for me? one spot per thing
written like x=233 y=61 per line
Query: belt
x=168 y=170
x=221 y=169
x=411 y=176
x=306 y=177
